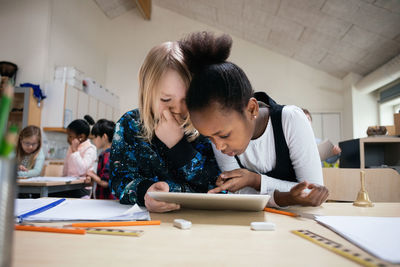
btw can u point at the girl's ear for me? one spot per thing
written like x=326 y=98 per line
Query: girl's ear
x=104 y=137
x=252 y=108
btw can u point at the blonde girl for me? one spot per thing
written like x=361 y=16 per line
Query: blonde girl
x=30 y=156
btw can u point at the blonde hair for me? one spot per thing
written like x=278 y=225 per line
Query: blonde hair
x=161 y=58
x=27 y=132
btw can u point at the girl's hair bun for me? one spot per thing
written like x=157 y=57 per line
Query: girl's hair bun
x=201 y=49
x=89 y=119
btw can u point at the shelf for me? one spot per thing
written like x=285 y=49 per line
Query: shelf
x=55 y=129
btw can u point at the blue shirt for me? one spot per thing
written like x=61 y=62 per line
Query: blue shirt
x=136 y=164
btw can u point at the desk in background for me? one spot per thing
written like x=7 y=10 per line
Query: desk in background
x=217 y=238
x=44 y=188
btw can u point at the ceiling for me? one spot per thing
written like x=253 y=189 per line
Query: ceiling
x=335 y=36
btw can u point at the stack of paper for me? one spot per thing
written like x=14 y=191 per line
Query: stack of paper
x=48 y=179
x=80 y=210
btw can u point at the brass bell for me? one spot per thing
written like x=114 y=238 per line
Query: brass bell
x=362 y=196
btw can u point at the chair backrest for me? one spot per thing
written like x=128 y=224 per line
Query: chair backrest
x=54 y=169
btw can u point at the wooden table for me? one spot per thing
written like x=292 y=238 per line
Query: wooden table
x=217 y=238
x=44 y=188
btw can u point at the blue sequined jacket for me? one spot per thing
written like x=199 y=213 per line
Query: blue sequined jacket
x=136 y=164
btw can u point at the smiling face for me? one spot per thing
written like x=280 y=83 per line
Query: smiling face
x=171 y=96
x=229 y=130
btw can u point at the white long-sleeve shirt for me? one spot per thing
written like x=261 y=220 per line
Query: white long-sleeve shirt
x=260 y=156
x=78 y=163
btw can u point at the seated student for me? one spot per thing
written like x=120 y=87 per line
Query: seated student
x=30 y=156
x=103 y=132
x=81 y=154
x=329 y=162
x=266 y=147
x=155 y=147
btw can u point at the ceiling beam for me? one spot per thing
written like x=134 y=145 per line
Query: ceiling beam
x=145 y=8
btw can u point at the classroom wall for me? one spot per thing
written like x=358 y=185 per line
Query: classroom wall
x=286 y=80
x=78 y=38
x=24 y=37
x=39 y=35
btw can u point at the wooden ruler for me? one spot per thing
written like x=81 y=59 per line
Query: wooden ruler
x=102 y=231
x=360 y=257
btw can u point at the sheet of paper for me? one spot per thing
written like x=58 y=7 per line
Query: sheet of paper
x=82 y=210
x=325 y=149
x=48 y=179
x=379 y=236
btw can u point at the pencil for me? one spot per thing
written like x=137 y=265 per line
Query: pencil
x=281 y=212
x=5 y=107
x=49 y=229
x=125 y=223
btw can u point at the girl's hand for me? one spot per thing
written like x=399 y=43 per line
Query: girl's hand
x=88 y=179
x=153 y=205
x=74 y=145
x=297 y=196
x=336 y=150
x=168 y=129
x=22 y=168
x=237 y=179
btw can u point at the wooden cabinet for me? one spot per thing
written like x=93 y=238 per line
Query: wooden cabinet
x=371 y=152
x=25 y=110
x=66 y=103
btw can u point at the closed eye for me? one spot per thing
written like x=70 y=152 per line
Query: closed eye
x=225 y=136
x=165 y=99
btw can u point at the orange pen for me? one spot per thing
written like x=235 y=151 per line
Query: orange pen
x=281 y=212
x=106 y=224
x=49 y=229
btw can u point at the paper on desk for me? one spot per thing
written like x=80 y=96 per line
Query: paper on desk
x=325 y=149
x=48 y=179
x=81 y=210
x=379 y=236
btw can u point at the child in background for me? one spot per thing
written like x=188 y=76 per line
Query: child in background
x=329 y=162
x=103 y=132
x=30 y=156
x=81 y=154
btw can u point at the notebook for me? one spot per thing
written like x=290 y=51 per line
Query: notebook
x=379 y=236
x=80 y=210
x=248 y=202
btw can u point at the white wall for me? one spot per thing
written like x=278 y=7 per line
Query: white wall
x=365 y=112
x=285 y=79
x=24 y=37
x=78 y=38
x=38 y=35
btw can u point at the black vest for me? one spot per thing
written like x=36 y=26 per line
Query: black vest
x=284 y=168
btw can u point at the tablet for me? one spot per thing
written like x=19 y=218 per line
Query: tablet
x=214 y=201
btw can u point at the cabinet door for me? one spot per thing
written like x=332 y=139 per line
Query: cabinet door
x=331 y=127
x=71 y=105
x=93 y=102
x=101 y=111
x=83 y=104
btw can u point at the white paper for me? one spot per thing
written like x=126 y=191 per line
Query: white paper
x=48 y=179
x=380 y=236
x=325 y=150
x=81 y=210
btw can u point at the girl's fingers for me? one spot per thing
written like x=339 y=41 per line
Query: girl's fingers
x=231 y=174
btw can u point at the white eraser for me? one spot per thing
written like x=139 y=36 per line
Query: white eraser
x=262 y=226
x=182 y=224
